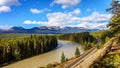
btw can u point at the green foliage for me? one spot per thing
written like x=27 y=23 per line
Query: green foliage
x=88 y=45
x=14 y=35
x=77 y=37
x=63 y=59
x=103 y=35
x=114 y=23
x=109 y=61
x=13 y=49
x=77 y=52
x=100 y=45
x=81 y=38
x=106 y=39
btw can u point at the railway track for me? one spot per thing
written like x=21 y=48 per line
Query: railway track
x=82 y=57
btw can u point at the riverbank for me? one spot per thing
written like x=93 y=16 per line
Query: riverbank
x=49 y=57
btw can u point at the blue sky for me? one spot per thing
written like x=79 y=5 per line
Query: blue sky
x=34 y=13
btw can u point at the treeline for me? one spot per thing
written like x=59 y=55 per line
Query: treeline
x=103 y=35
x=83 y=38
x=15 y=49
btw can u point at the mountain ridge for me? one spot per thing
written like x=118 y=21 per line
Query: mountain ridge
x=47 y=30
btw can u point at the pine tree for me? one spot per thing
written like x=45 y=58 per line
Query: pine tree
x=63 y=59
x=114 y=23
x=77 y=52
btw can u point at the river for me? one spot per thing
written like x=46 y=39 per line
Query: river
x=52 y=56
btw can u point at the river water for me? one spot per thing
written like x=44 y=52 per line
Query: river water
x=50 y=57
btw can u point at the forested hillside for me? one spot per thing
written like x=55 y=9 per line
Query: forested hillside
x=83 y=38
x=14 y=49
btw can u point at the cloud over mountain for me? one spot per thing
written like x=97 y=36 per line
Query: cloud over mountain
x=95 y=20
x=5 y=27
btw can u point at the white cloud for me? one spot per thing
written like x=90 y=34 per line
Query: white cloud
x=95 y=17
x=89 y=25
x=31 y=22
x=56 y=18
x=77 y=11
x=36 y=11
x=4 y=9
x=9 y=2
x=94 y=21
x=66 y=3
x=5 y=27
x=5 y=5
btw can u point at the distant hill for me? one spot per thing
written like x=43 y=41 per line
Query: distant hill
x=47 y=30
